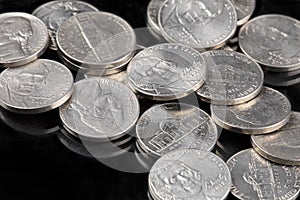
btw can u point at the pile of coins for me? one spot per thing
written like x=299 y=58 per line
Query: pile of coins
x=205 y=48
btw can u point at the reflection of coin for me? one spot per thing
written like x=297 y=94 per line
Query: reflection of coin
x=283 y=145
x=189 y=174
x=166 y=71
x=244 y=10
x=256 y=178
x=55 y=12
x=172 y=126
x=94 y=38
x=231 y=78
x=278 y=37
x=37 y=87
x=23 y=38
x=198 y=23
x=100 y=109
x=269 y=111
x=152 y=14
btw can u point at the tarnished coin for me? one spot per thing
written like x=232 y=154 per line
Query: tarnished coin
x=166 y=71
x=54 y=13
x=201 y=24
x=172 y=126
x=94 y=38
x=23 y=38
x=256 y=178
x=37 y=87
x=152 y=14
x=244 y=10
x=278 y=39
x=189 y=174
x=282 y=146
x=269 y=111
x=100 y=109
x=231 y=78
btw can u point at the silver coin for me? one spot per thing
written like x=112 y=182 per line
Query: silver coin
x=256 y=178
x=278 y=39
x=37 y=87
x=189 y=174
x=172 y=126
x=244 y=10
x=152 y=14
x=269 y=111
x=232 y=78
x=166 y=71
x=54 y=13
x=201 y=24
x=94 y=38
x=283 y=145
x=23 y=38
x=100 y=109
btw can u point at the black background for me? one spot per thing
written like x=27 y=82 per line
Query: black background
x=40 y=167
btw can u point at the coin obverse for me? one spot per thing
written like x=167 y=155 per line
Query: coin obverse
x=269 y=111
x=256 y=178
x=201 y=24
x=54 y=13
x=189 y=174
x=100 y=109
x=37 y=87
x=278 y=39
x=23 y=38
x=283 y=145
x=166 y=71
x=231 y=78
x=244 y=10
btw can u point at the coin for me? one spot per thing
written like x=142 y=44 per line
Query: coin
x=37 y=87
x=152 y=14
x=23 y=38
x=244 y=10
x=256 y=178
x=189 y=174
x=100 y=109
x=172 y=126
x=94 y=38
x=278 y=39
x=232 y=78
x=269 y=111
x=283 y=145
x=201 y=24
x=166 y=71
x=54 y=13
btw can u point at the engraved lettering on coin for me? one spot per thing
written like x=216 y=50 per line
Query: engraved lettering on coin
x=256 y=178
x=172 y=126
x=244 y=10
x=36 y=87
x=166 y=71
x=231 y=78
x=198 y=23
x=279 y=39
x=100 y=108
x=269 y=111
x=189 y=174
x=54 y=13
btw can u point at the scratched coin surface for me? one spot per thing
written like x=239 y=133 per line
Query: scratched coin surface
x=100 y=109
x=256 y=178
x=23 y=38
x=94 y=38
x=189 y=174
x=278 y=37
x=231 y=78
x=269 y=111
x=37 y=87
x=244 y=10
x=172 y=126
x=201 y=24
x=283 y=145
x=54 y=13
x=152 y=14
x=166 y=71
